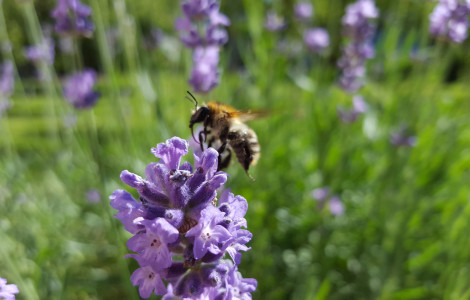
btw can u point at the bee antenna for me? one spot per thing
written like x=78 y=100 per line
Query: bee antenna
x=193 y=100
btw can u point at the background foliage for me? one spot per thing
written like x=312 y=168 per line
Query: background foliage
x=404 y=234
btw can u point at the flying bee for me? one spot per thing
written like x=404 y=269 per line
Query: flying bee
x=226 y=126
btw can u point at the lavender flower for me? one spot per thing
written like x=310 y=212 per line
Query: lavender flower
x=43 y=52
x=303 y=11
x=359 y=107
x=204 y=75
x=316 y=39
x=336 y=206
x=334 y=203
x=181 y=232
x=449 y=19
x=274 y=22
x=72 y=18
x=400 y=138
x=201 y=29
x=78 y=89
x=7 y=84
x=7 y=291
x=93 y=196
x=359 y=29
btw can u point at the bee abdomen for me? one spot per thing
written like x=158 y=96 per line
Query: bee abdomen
x=246 y=147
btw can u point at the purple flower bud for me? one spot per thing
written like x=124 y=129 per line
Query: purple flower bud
x=303 y=11
x=7 y=291
x=274 y=22
x=72 y=18
x=316 y=39
x=78 y=89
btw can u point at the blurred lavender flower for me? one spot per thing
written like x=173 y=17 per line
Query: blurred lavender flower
x=43 y=52
x=78 y=89
x=178 y=215
x=7 y=84
x=7 y=291
x=72 y=18
x=449 y=19
x=359 y=107
x=336 y=206
x=303 y=11
x=400 y=138
x=274 y=22
x=200 y=29
x=359 y=29
x=316 y=39
x=93 y=196
x=204 y=75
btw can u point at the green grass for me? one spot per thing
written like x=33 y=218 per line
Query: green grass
x=405 y=231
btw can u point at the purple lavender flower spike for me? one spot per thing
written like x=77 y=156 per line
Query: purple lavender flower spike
x=204 y=75
x=7 y=291
x=43 y=52
x=72 y=18
x=303 y=11
x=359 y=29
x=449 y=20
x=201 y=28
x=78 y=89
x=336 y=206
x=274 y=22
x=189 y=224
x=316 y=39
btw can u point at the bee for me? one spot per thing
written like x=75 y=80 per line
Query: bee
x=225 y=126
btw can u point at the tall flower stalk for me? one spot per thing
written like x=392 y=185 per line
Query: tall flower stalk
x=7 y=84
x=183 y=228
x=202 y=29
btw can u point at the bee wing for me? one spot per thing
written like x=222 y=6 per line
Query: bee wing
x=248 y=115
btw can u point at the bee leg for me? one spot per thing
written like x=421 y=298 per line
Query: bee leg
x=209 y=144
x=202 y=137
x=223 y=163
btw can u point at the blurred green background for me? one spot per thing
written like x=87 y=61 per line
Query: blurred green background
x=404 y=233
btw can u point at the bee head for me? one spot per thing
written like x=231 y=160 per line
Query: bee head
x=198 y=116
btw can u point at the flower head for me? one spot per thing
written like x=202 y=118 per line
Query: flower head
x=303 y=11
x=274 y=22
x=72 y=18
x=7 y=291
x=449 y=20
x=177 y=215
x=78 y=89
x=359 y=107
x=316 y=39
x=401 y=138
x=42 y=52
